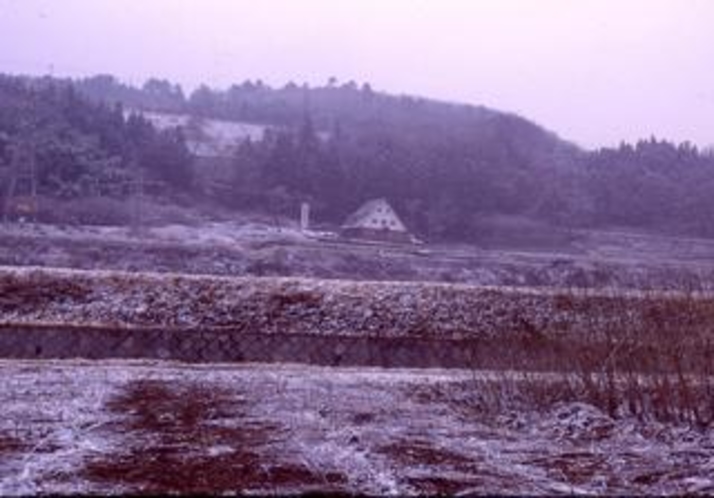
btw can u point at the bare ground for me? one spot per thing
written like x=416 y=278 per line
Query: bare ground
x=244 y=247
x=147 y=427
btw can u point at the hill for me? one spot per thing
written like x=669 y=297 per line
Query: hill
x=454 y=172
x=446 y=167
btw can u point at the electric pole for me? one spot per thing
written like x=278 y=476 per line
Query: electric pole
x=137 y=219
x=21 y=195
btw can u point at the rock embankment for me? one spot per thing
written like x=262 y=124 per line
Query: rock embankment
x=334 y=307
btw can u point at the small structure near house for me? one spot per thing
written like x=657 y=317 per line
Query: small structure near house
x=376 y=220
x=304 y=216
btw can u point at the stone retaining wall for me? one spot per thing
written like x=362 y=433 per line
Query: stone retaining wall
x=47 y=313
x=215 y=346
x=332 y=307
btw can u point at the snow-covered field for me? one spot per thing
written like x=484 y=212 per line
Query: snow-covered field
x=254 y=245
x=122 y=427
x=208 y=234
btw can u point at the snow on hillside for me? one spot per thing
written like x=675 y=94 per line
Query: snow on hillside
x=208 y=137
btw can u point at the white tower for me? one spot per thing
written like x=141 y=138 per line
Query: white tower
x=304 y=216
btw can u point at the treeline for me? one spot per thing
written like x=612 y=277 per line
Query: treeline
x=654 y=185
x=444 y=190
x=451 y=184
x=449 y=169
x=81 y=148
x=445 y=167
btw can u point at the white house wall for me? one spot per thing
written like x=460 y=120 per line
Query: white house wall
x=383 y=218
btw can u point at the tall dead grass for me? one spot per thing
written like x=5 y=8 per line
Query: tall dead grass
x=651 y=357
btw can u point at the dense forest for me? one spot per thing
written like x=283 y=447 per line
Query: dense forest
x=78 y=149
x=452 y=171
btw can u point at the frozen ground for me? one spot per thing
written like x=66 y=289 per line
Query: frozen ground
x=257 y=246
x=208 y=234
x=119 y=427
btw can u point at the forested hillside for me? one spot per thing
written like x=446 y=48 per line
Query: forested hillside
x=454 y=172
x=653 y=184
x=446 y=167
x=83 y=150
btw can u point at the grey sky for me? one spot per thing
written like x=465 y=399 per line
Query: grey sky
x=593 y=71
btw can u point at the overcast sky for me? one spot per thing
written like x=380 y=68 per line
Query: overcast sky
x=594 y=71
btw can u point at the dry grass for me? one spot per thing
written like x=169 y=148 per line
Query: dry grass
x=652 y=358
x=199 y=443
x=416 y=456
x=28 y=293
x=11 y=444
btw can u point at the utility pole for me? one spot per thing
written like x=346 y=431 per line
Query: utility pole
x=21 y=195
x=137 y=219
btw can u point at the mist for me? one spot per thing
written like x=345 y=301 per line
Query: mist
x=596 y=72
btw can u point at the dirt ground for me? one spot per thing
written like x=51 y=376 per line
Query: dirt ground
x=150 y=427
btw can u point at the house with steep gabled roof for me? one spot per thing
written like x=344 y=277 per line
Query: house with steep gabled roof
x=376 y=220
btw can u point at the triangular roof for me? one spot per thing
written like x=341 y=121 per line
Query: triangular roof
x=364 y=216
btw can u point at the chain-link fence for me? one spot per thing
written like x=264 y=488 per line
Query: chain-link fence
x=221 y=345
x=213 y=346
